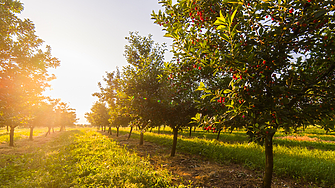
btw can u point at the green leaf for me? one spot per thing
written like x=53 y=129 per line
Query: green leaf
x=233 y=15
x=204 y=96
x=227 y=91
x=235 y=2
x=201 y=87
x=168 y=35
x=225 y=37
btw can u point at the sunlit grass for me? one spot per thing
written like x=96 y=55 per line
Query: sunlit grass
x=305 y=160
x=20 y=133
x=80 y=158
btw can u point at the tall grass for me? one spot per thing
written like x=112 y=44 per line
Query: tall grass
x=80 y=158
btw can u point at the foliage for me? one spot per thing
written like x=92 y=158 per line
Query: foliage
x=99 y=115
x=278 y=54
x=24 y=67
x=143 y=88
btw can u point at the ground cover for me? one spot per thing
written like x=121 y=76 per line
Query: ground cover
x=305 y=161
x=76 y=158
x=20 y=133
x=60 y=160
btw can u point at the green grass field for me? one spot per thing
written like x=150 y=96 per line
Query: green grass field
x=80 y=158
x=20 y=133
x=310 y=161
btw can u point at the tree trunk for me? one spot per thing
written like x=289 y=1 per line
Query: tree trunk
x=174 y=144
x=194 y=128
x=218 y=137
x=151 y=129
x=131 y=130
x=141 y=138
x=31 y=133
x=190 y=131
x=117 y=131
x=11 y=136
x=268 y=161
x=110 y=130
x=49 y=129
x=159 y=129
x=7 y=128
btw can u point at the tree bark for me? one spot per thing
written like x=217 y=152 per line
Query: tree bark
x=131 y=130
x=117 y=131
x=110 y=130
x=141 y=138
x=218 y=137
x=194 y=128
x=268 y=161
x=174 y=144
x=31 y=133
x=7 y=128
x=190 y=131
x=159 y=129
x=11 y=136
x=48 y=132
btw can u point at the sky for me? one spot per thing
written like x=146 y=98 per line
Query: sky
x=88 y=37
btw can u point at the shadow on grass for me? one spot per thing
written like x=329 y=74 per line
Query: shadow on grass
x=288 y=162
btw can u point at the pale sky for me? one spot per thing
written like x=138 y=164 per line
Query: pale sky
x=88 y=37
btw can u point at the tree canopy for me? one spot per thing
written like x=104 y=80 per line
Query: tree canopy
x=278 y=54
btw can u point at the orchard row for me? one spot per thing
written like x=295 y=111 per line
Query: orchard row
x=258 y=65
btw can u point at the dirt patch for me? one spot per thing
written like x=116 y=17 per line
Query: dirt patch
x=300 y=138
x=201 y=171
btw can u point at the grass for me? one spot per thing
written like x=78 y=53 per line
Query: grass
x=20 y=132
x=306 y=160
x=86 y=158
x=80 y=158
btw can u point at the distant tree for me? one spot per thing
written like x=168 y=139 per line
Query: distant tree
x=141 y=80
x=99 y=115
x=178 y=106
x=112 y=95
x=42 y=115
x=65 y=116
